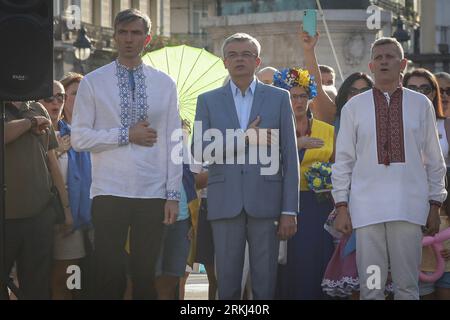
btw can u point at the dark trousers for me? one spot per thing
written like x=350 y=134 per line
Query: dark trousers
x=112 y=217
x=29 y=243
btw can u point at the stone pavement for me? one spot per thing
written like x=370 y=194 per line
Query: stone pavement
x=197 y=287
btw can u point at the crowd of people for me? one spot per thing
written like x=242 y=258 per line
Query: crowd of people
x=92 y=182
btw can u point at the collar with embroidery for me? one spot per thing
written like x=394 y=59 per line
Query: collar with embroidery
x=389 y=126
x=133 y=98
x=122 y=66
x=399 y=88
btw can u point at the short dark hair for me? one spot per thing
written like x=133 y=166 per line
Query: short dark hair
x=424 y=73
x=342 y=96
x=131 y=15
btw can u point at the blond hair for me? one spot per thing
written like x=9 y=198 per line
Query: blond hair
x=71 y=77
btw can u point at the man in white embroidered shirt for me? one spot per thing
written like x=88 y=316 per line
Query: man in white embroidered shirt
x=388 y=152
x=125 y=114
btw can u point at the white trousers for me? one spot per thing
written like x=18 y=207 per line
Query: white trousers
x=396 y=244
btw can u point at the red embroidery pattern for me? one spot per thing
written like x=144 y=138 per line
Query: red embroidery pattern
x=389 y=124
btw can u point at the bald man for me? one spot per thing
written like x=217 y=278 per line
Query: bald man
x=265 y=75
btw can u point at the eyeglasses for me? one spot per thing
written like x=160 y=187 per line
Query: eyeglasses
x=446 y=91
x=354 y=91
x=60 y=97
x=424 y=89
x=246 y=55
x=299 y=96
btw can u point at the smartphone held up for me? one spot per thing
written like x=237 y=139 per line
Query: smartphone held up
x=310 y=21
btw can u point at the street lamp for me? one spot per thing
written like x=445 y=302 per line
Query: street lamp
x=83 y=47
x=401 y=34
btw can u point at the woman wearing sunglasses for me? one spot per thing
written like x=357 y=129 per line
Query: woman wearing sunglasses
x=355 y=84
x=443 y=79
x=69 y=246
x=423 y=81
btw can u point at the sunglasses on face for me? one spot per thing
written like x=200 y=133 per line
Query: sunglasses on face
x=424 y=89
x=60 y=97
x=446 y=91
x=354 y=91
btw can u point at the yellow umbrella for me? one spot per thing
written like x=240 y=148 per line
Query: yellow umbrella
x=195 y=71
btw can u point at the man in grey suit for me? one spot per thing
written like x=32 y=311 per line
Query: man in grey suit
x=244 y=202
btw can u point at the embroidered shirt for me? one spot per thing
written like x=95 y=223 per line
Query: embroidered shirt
x=401 y=190
x=106 y=107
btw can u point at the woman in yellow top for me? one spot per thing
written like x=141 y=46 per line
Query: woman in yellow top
x=311 y=248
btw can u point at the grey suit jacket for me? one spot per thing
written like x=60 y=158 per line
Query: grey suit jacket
x=233 y=187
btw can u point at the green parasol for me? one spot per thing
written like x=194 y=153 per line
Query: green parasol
x=194 y=70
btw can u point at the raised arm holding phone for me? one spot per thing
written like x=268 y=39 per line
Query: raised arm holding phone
x=323 y=107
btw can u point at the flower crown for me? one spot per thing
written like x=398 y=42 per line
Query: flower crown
x=295 y=77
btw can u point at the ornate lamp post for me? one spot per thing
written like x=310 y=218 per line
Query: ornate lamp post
x=401 y=34
x=83 y=47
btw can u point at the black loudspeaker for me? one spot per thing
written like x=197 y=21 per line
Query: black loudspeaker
x=26 y=49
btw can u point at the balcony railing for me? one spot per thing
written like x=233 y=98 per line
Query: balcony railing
x=237 y=7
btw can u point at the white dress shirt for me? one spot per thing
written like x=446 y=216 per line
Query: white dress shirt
x=243 y=102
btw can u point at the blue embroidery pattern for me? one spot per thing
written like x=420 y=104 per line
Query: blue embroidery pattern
x=141 y=94
x=133 y=105
x=123 y=136
x=173 y=195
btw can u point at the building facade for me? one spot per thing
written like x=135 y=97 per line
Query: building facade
x=276 y=24
x=434 y=35
x=186 y=19
x=97 y=17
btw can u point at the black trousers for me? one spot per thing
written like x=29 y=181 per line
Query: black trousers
x=29 y=243
x=112 y=217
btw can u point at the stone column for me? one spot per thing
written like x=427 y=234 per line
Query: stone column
x=160 y=16
x=165 y=17
x=428 y=27
x=155 y=14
